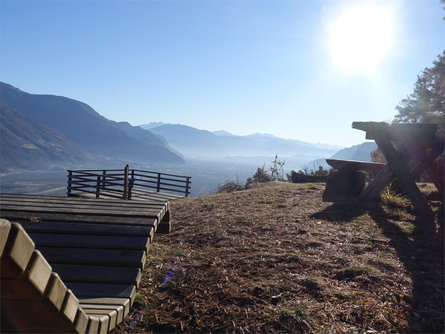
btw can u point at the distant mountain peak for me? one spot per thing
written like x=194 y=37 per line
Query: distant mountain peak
x=222 y=133
x=151 y=125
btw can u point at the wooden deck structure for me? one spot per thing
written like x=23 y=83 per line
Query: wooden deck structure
x=73 y=264
x=127 y=183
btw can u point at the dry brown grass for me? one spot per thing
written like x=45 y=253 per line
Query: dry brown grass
x=278 y=259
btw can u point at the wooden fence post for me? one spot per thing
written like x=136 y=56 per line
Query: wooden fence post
x=98 y=186
x=159 y=182
x=130 y=184
x=125 y=182
x=187 y=186
x=104 y=176
x=70 y=178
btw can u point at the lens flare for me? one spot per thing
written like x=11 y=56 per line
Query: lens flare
x=361 y=38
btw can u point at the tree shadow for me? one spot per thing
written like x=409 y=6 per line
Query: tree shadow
x=421 y=251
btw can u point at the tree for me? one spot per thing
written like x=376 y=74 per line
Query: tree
x=260 y=176
x=427 y=102
x=276 y=171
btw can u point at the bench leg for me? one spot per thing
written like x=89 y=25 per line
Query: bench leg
x=402 y=172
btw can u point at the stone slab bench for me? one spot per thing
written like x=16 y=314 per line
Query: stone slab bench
x=354 y=165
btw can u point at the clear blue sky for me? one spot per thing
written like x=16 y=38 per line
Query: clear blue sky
x=280 y=67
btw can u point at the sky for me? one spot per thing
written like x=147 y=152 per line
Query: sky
x=295 y=69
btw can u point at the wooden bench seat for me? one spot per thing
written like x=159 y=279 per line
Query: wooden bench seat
x=34 y=298
x=354 y=165
x=73 y=264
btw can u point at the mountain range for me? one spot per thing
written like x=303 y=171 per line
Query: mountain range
x=198 y=143
x=84 y=132
x=42 y=130
x=361 y=152
x=25 y=142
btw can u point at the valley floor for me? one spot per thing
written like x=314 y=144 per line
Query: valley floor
x=279 y=259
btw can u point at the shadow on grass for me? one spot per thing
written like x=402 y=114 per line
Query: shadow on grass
x=420 y=250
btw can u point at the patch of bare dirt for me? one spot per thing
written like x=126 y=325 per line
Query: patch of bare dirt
x=279 y=259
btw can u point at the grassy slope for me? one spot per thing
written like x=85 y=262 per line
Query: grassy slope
x=279 y=259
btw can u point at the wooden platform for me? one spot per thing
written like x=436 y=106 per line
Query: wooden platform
x=73 y=264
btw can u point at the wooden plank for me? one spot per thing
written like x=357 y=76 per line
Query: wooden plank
x=423 y=132
x=38 y=271
x=17 y=252
x=117 y=207
x=118 y=308
x=77 y=200
x=374 y=167
x=98 y=274
x=93 y=229
x=5 y=228
x=103 y=323
x=112 y=315
x=124 y=302
x=70 y=305
x=105 y=257
x=371 y=128
x=55 y=291
x=81 y=321
x=81 y=211
x=90 y=241
x=93 y=325
x=161 y=197
x=88 y=290
x=150 y=212
x=57 y=217
x=74 y=201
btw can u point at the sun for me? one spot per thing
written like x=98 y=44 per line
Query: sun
x=361 y=37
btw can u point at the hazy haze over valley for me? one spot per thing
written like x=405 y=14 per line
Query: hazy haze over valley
x=50 y=134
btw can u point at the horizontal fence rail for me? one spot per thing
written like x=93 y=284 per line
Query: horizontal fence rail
x=126 y=183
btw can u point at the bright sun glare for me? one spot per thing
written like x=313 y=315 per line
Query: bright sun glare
x=361 y=37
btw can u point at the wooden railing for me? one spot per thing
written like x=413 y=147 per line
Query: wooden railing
x=126 y=183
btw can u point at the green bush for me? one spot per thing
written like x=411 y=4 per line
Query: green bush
x=260 y=176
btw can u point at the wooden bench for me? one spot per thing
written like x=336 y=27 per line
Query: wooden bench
x=91 y=250
x=409 y=149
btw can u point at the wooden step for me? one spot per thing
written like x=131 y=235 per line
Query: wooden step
x=91 y=256
x=70 y=248
x=98 y=274
x=90 y=241
x=93 y=229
